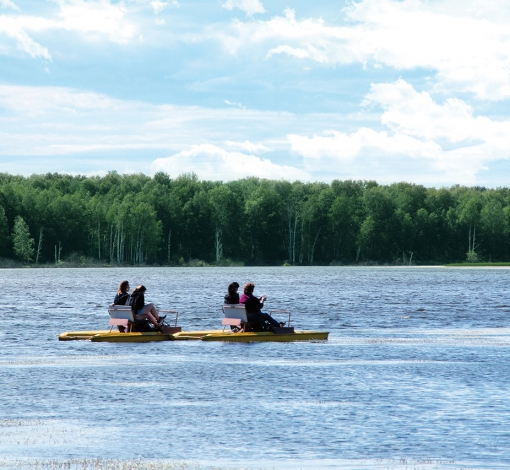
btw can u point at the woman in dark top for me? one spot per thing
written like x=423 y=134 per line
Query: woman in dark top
x=141 y=310
x=122 y=294
x=254 y=306
x=232 y=297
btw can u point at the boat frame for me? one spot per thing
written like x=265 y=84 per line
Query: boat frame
x=235 y=317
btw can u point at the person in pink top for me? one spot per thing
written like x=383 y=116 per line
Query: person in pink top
x=254 y=306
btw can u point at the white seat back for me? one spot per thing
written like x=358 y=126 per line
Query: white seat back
x=235 y=311
x=121 y=311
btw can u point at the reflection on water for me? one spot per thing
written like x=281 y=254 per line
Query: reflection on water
x=414 y=374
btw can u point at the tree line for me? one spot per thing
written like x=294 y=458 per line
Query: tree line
x=137 y=220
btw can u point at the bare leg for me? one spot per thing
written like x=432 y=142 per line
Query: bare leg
x=154 y=312
x=151 y=313
x=149 y=308
x=153 y=319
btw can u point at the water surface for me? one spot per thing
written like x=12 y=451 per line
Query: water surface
x=414 y=375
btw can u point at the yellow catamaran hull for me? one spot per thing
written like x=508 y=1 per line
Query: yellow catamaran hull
x=206 y=335
x=250 y=337
x=115 y=336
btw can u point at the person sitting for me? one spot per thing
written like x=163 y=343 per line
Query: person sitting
x=122 y=294
x=232 y=297
x=254 y=307
x=122 y=298
x=143 y=311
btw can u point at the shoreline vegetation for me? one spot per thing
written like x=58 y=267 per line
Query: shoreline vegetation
x=60 y=220
x=89 y=263
x=477 y=265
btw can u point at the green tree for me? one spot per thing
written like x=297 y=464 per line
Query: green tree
x=263 y=209
x=405 y=235
x=383 y=225
x=23 y=244
x=222 y=201
x=315 y=220
x=345 y=224
x=492 y=219
x=470 y=204
x=4 y=233
x=367 y=234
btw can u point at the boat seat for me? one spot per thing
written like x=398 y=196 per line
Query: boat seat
x=118 y=322
x=235 y=315
x=122 y=316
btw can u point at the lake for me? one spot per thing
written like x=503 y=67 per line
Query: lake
x=414 y=374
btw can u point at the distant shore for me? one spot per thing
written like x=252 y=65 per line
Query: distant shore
x=87 y=263
x=477 y=265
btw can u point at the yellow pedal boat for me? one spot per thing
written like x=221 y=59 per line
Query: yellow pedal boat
x=114 y=336
x=260 y=336
x=235 y=317
x=122 y=317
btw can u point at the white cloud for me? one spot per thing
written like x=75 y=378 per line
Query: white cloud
x=417 y=139
x=250 y=7
x=247 y=146
x=56 y=120
x=158 y=6
x=233 y=103
x=8 y=4
x=39 y=102
x=438 y=142
x=467 y=44
x=345 y=147
x=210 y=162
x=409 y=112
x=24 y=42
x=96 y=17
x=93 y=19
x=300 y=53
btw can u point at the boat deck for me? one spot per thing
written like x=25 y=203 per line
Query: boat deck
x=205 y=335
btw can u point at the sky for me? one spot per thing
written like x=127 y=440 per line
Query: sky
x=384 y=90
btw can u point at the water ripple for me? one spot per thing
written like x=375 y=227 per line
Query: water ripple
x=414 y=375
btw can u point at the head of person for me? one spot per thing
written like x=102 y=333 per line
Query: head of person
x=139 y=289
x=248 y=288
x=123 y=287
x=232 y=288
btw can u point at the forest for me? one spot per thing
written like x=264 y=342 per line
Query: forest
x=134 y=219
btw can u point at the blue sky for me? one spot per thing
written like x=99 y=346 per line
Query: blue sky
x=390 y=90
